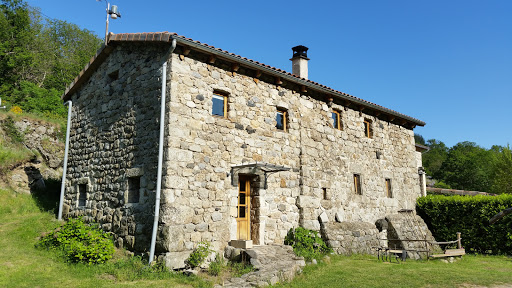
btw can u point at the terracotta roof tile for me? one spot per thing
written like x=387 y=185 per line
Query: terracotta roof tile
x=167 y=36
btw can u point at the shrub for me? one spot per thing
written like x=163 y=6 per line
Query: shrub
x=470 y=215
x=217 y=266
x=306 y=243
x=80 y=242
x=199 y=254
x=16 y=110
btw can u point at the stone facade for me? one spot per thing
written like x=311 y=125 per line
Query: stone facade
x=115 y=138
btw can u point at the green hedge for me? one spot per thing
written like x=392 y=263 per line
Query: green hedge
x=447 y=215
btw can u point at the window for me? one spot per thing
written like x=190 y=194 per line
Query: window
x=336 y=122
x=357 y=184
x=281 y=119
x=133 y=189
x=325 y=196
x=82 y=195
x=368 y=130
x=220 y=105
x=389 y=191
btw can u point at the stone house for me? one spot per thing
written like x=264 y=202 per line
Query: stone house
x=249 y=150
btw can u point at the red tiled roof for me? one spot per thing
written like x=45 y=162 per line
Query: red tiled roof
x=168 y=36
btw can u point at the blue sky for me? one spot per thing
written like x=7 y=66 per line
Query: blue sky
x=448 y=63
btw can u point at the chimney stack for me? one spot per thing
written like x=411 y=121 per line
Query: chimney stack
x=300 y=61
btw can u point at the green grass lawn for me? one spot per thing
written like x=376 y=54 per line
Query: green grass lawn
x=367 y=271
x=21 y=265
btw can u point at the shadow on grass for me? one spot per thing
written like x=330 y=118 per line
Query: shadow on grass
x=48 y=199
x=45 y=192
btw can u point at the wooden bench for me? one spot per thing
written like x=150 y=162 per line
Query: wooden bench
x=450 y=253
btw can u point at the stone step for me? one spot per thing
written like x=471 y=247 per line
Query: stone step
x=273 y=263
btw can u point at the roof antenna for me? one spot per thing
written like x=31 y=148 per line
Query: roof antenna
x=112 y=11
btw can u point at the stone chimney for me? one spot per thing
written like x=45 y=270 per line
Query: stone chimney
x=300 y=61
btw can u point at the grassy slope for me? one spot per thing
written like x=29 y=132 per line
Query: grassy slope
x=21 y=265
x=366 y=271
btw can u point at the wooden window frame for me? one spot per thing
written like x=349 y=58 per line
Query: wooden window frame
x=338 y=119
x=225 y=104
x=389 y=188
x=367 y=126
x=285 y=119
x=357 y=184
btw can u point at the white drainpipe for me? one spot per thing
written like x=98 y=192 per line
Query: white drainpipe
x=65 y=168
x=160 y=152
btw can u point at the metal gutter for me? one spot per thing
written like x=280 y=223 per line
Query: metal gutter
x=160 y=152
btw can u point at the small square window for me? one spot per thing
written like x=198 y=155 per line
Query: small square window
x=133 y=189
x=368 y=130
x=82 y=195
x=336 y=121
x=357 y=184
x=389 y=191
x=281 y=119
x=220 y=105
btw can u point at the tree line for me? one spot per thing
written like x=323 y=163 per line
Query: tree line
x=39 y=57
x=467 y=166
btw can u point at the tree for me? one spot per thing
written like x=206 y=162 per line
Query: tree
x=419 y=139
x=16 y=35
x=503 y=172
x=434 y=158
x=468 y=167
x=48 y=53
x=72 y=47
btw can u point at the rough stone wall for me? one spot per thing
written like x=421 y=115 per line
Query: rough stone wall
x=353 y=237
x=202 y=149
x=409 y=226
x=114 y=136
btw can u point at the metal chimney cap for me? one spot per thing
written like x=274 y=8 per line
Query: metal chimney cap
x=300 y=51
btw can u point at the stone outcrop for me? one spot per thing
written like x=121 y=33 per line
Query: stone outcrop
x=43 y=139
x=272 y=264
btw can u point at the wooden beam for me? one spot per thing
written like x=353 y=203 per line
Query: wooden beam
x=186 y=51
x=258 y=73
x=500 y=215
x=278 y=81
x=303 y=89
x=235 y=67
x=212 y=59
x=391 y=118
x=403 y=122
x=377 y=113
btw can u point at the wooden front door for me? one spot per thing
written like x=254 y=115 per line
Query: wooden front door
x=243 y=221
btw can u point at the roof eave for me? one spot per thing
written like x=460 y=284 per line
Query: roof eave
x=104 y=51
x=297 y=80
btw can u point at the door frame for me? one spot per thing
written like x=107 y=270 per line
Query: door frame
x=243 y=224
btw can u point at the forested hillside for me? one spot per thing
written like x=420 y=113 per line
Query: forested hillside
x=467 y=166
x=39 y=57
